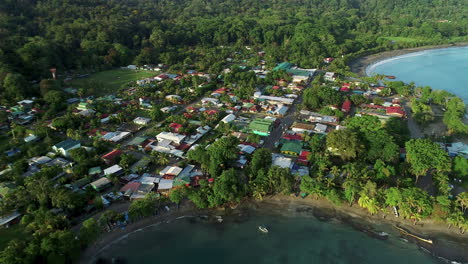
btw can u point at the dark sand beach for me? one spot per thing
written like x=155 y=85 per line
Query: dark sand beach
x=360 y=64
x=448 y=243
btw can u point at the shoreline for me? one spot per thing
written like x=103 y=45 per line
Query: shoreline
x=360 y=64
x=448 y=242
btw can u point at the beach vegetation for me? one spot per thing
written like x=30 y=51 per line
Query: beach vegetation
x=424 y=155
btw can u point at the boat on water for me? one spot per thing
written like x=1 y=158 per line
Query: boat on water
x=263 y=229
x=407 y=233
x=390 y=77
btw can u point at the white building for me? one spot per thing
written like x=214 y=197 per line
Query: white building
x=275 y=99
x=171 y=170
x=173 y=137
x=116 y=170
x=143 y=121
x=228 y=119
x=281 y=161
x=330 y=76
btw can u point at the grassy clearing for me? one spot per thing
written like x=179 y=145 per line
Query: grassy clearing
x=109 y=81
x=8 y=234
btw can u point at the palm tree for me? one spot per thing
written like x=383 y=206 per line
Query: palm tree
x=369 y=203
x=462 y=200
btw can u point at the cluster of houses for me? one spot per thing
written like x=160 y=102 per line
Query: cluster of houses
x=258 y=115
x=384 y=111
x=22 y=113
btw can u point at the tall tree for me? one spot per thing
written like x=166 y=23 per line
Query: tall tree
x=423 y=155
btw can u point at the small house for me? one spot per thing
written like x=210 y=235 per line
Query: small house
x=114 y=170
x=330 y=76
x=292 y=148
x=171 y=171
x=142 y=121
x=101 y=184
x=65 y=146
x=165 y=185
x=111 y=157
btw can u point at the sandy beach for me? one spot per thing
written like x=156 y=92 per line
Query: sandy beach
x=360 y=64
x=448 y=243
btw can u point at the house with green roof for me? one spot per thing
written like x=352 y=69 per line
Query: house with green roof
x=94 y=171
x=283 y=66
x=65 y=146
x=138 y=142
x=261 y=127
x=292 y=148
x=83 y=106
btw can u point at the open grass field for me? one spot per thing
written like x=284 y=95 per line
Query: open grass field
x=109 y=81
x=8 y=234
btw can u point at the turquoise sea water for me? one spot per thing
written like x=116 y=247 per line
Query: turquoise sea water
x=445 y=69
x=293 y=239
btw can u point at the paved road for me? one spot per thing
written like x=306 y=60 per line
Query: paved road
x=286 y=122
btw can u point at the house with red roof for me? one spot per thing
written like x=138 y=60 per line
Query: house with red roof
x=346 y=107
x=295 y=137
x=304 y=157
x=111 y=157
x=328 y=60
x=344 y=89
x=175 y=127
x=396 y=111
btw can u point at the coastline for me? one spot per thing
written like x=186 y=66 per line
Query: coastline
x=359 y=65
x=354 y=216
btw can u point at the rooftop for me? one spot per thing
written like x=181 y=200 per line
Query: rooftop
x=67 y=144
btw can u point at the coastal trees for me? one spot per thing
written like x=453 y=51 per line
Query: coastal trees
x=393 y=196
x=462 y=200
x=423 y=155
x=368 y=197
x=89 y=231
x=228 y=187
x=351 y=190
x=261 y=159
x=143 y=207
x=460 y=167
x=344 y=143
x=453 y=117
x=219 y=156
x=416 y=204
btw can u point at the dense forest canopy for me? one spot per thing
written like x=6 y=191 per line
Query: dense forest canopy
x=90 y=34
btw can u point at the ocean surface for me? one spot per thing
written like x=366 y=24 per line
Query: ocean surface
x=445 y=69
x=237 y=240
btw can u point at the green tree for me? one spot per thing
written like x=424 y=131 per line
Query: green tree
x=351 y=190
x=344 y=143
x=423 y=155
x=462 y=200
x=460 y=167
x=261 y=159
x=89 y=231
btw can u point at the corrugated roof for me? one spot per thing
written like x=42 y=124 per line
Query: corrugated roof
x=292 y=146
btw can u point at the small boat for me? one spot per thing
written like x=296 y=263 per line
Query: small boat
x=390 y=77
x=407 y=233
x=263 y=229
